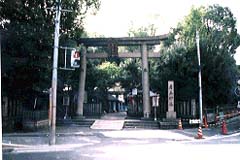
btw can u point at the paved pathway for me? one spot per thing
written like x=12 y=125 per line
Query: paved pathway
x=110 y=121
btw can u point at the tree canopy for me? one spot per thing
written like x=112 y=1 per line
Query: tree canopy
x=27 y=28
x=218 y=42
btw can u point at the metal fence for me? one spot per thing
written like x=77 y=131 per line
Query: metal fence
x=184 y=109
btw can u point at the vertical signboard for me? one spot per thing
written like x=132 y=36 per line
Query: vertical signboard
x=171 y=114
x=170 y=96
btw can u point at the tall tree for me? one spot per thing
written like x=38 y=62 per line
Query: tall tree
x=178 y=63
x=130 y=74
x=27 y=27
x=218 y=42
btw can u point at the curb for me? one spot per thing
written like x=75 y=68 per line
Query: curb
x=47 y=135
x=15 y=145
x=8 y=147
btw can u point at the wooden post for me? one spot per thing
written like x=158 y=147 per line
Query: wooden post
x=145 y=82
x=82 y=78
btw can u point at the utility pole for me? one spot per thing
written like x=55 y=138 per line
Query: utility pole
x=52 y=139
x=1 y=96
x=199 y=78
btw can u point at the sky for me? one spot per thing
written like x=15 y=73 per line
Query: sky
x=116 y=17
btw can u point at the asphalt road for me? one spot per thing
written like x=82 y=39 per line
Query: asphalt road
x=87 y=144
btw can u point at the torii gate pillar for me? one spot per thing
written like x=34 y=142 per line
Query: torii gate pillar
x=145 y=82
x=82 y=78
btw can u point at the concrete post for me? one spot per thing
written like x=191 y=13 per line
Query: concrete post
x=82 y=78
x=52 y=136
x=145 y=82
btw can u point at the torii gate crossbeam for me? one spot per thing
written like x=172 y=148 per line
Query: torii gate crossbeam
x=123 y=41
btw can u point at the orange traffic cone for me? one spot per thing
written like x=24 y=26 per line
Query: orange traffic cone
x=224 y=128
x=180 y=124
x=200 y=134
x=205 y=122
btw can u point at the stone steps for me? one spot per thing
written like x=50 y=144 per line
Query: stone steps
x=76 y=122
x=169 y=124
x=141 y=124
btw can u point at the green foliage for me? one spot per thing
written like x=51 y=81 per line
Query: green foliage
x=178 y=64
x=91 y=75
x=28 y=27
x=130 y=73
x=238 y=68
x=101 y=75
x=141 y=32
x=218 y=42
x=100 y=78
x=221 y=30
x=26 y=43
x=108 y=73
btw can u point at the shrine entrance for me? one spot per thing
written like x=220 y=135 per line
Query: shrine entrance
x=112 y=44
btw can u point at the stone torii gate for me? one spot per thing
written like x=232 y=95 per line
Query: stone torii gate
x=113 y=44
